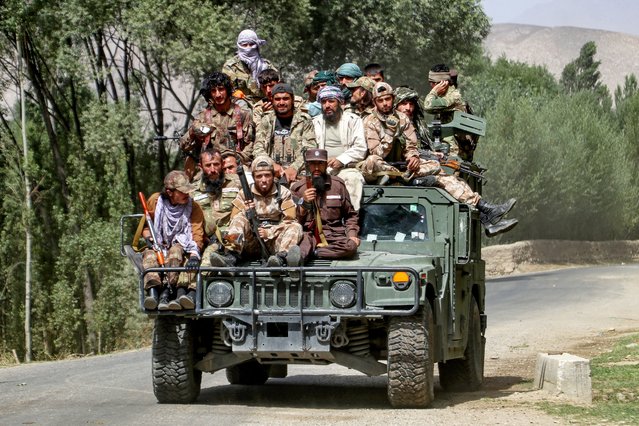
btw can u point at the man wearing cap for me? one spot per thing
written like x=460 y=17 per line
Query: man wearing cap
x=275 y=211
x=178 y=223
x=268 y=79
x=245 y=66
x=362 y=97
x=341 y=134
x=347 y=73
x=391 y=138
x=442 y=101
x=309 y=90
x=407 y=102
x=285 y=135
x=325 y=210
x=223 y=125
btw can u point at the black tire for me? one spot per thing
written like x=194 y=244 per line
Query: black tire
x=410 y=360
x=466 y=374
x=175 y=380
x=248 y=373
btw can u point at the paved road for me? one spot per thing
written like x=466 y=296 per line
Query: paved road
x=527 y=314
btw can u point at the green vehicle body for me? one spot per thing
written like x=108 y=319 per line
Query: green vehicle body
x=359 y=313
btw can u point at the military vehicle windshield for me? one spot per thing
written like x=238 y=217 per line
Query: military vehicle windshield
x=393 y=222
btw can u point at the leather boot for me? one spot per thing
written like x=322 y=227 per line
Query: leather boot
x=275 y=261
x=223 y=260
x=294 y=258
x=186 y=298
x=425 y=181
x=174 y=305
x=492 y=213
x=502 y=226
x=151 y=299
x=163 y=305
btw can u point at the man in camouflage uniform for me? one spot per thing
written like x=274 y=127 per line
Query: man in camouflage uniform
x=275 y=211
x=285 y=135
x=178 y=223
x=215 y=193
x=325 y=202
x=442 y=101
x=269 y=79
x=245 y=66
x=362 y=97
x=407 y=102
x=223 y=124
x=391 y=137
x=341 y=133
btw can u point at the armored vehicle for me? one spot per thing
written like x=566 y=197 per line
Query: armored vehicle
x=412 y=297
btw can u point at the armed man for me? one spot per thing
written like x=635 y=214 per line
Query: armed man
x=325 y=210
x=178 y=226
x=407 y=102
x=285 y=135
x=215 y=193
x=442 y=101
x=223 y=124
x=341 y=134
x=392 y=141
x=263 y=222
x=362 y=97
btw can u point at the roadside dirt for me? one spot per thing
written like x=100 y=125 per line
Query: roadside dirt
x=544 y=255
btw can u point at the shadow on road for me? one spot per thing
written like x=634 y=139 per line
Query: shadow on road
x=339 y=392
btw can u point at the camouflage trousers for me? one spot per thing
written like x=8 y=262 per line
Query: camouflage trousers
x=374 y=166
x=175 y=258
x=281 y=237
x=457 y=188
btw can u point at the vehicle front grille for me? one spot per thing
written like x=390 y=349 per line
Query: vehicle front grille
x=283 y=295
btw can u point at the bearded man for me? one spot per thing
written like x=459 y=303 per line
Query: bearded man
x=325 y=210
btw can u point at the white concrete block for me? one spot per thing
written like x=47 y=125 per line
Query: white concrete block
x=564 y=374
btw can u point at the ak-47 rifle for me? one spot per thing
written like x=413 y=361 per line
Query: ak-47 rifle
x=463 y=167
x=250 y=213
x=318 y=232
x=155 y=246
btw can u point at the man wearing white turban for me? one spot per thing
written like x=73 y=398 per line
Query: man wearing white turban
x=244 y=67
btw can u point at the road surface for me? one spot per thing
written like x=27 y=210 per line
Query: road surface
x=551 y=311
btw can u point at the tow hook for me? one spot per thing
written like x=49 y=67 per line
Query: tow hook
x=237 y=331
x=323 y=332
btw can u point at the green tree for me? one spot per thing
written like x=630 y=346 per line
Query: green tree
x=583 y=73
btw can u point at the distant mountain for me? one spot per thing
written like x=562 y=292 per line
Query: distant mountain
x=554 y=47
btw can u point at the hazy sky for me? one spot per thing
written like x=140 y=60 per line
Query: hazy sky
x=611 y=15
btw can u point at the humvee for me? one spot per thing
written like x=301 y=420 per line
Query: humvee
x=412 y=297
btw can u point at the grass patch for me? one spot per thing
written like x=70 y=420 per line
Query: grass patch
x=615 y=387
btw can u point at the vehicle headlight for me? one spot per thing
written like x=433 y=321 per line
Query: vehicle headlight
x=401 y=280
x=342 y=294
x=219 y=294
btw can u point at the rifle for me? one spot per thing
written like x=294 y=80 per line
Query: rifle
x=318 y=232
x=250 y=213
x=156 y=246
x=463 y=167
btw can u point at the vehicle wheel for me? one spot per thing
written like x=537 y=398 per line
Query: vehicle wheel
x=410 y=360
x=467 y=374
x=175 y=380
x=248 y=373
